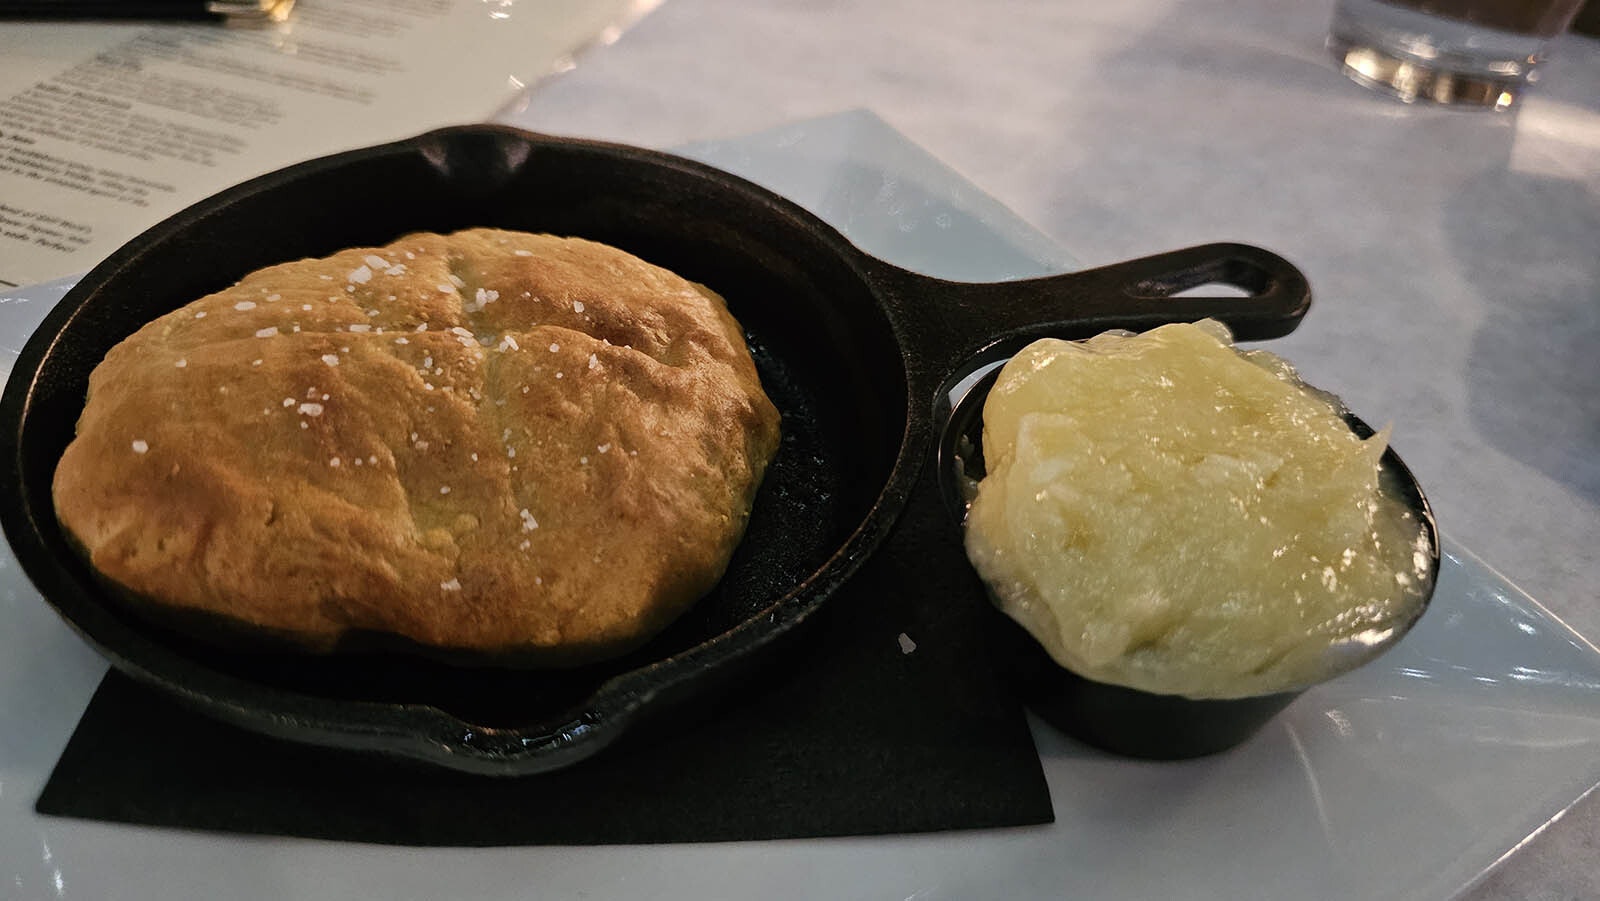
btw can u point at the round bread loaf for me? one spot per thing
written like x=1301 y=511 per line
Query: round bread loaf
x=488 y=441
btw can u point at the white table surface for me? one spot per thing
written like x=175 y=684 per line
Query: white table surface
x=1425 y=767
x=1455 y=259
x=1455 y=256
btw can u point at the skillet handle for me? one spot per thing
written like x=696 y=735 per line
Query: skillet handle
x=948 y=323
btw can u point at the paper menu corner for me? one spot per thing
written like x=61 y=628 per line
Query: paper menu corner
x=105 y=129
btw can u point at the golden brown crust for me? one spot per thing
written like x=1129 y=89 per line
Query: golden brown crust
x=491 y=441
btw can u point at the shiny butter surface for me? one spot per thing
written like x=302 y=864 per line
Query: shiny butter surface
x=1165 y=513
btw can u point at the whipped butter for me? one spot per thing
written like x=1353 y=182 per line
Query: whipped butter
x=1166 y=513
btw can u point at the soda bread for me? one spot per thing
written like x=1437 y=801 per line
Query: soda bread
x=487 y=441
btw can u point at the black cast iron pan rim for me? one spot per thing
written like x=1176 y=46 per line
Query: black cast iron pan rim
x=937 y=325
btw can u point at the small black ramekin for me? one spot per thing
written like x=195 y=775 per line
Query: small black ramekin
x=1116 y=718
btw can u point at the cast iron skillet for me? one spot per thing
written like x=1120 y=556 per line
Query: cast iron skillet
x=855 y=353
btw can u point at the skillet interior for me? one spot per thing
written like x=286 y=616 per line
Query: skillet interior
x=827 y=356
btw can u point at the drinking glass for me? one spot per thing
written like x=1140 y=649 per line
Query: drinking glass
x=1476 y=53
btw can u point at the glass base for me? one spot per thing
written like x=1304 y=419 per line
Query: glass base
x=1415 y=56
x=1410 y=81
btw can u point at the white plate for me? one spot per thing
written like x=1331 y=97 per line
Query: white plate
x=1407 y=779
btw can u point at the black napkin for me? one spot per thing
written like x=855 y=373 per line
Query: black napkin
x=860 y=732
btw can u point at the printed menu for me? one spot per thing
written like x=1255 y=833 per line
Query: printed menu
x=107 y=128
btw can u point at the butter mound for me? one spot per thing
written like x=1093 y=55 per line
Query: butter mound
x=1165 y=513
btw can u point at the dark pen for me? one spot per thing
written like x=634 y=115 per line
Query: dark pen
x=215 y=10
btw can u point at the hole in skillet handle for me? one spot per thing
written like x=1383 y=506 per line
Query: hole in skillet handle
x=1215 y=278
x=1114 y=718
